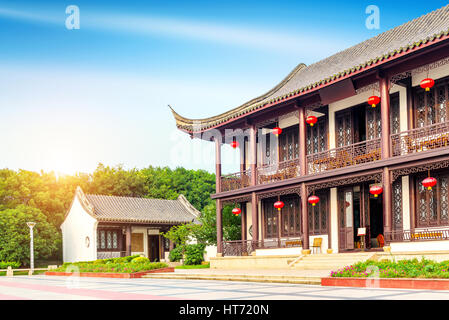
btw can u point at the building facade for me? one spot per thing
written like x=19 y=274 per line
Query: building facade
x=100 y=227
x=351 y=147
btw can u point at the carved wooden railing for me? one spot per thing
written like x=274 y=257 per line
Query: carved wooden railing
x=278 y=171
x=246 y=247
x=421 y=235
x=358 y=153
x=110 y=254
x=236 y=181
x=420 y=139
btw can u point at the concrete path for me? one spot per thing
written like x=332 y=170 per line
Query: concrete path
x=70 y=288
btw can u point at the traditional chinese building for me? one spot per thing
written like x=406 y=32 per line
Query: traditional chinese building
x=361 y=122
x=100 y=227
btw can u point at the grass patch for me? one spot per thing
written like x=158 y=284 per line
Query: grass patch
x=22 y=273
x=413 y=268
x=197 y=266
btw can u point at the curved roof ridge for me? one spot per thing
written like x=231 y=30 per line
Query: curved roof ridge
x=383 y=47
x=296 y=70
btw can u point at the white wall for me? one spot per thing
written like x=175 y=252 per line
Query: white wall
x=418 y=246
x=406 y=203
x=334 y=220
x=211 y=252
x=76 y=227
x=145 y=240
x=324 y=243
x=435 y=74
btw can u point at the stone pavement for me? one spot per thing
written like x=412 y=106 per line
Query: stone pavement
x=42 y=287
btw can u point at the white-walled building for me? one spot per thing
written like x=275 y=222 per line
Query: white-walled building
x=98 y=227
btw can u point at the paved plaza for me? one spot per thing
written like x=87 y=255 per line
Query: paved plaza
x=42 y=287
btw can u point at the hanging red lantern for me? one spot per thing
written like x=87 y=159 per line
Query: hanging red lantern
x=429 y=182
x=373 y=101
x=279 y=205
x=277 y=131
x=376 y=190
x=311 y=120
x=234 y=144
x=313 y=200
x=236 y=211
x=427 y=83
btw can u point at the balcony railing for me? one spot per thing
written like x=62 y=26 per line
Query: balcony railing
x=422 y=235
x=278 y=171
x=236 y=181
x=420 y=139
x=358 y=153
x=246 y=247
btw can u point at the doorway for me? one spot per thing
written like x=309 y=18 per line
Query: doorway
x=357 y=208
x=153 y=248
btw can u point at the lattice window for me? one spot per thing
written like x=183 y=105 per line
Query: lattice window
x=290 y=217
x=395 y=115
x=373 y=123
x=344 y=128
x=108 y=239
x=433 y=205
x=397 y=204
x=318 y=215
x=432 y=106
x=317 y=136
x=289 y=144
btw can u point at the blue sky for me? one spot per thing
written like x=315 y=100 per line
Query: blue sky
x=72 y=98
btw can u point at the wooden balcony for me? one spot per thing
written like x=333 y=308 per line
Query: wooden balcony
x=420 y=139
x=362 y=152
x=236 y=181
x=278 y=171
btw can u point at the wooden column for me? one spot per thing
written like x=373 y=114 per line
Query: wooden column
x=384 y=84
x=279 y=227
x=302 y=141
x=253 y=154
x=218 y=164
x=410 y=111
x=387 y=200
x=243 y=222
x=305 y=217
x=242 y=157
x=128 y=240
x=255 y=216
x=219 y=228
x=412 y=187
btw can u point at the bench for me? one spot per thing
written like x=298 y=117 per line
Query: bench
x=317 y=244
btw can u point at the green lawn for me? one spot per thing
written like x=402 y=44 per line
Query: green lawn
x=22 y=273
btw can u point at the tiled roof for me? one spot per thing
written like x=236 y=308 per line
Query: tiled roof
x=409 y=36
x=142 y=210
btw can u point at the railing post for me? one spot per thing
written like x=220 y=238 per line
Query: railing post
x=387 y=200
x=219 y=228
x=305 y=216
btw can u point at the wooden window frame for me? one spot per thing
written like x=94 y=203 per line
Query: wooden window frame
x=106 y=230
x=323 y=204
x=418 y=91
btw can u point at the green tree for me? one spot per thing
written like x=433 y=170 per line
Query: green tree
x=15 y=235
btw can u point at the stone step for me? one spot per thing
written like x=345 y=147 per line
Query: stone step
x=236 y=277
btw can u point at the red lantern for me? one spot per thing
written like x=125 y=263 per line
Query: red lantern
x=374 y=101
x=277 y=131
x=279 y=205
x=376 y=190
x=427 y=84
x=236 y=211
x=429 y=182
x=234 y=144
x=313 y=200
x=311 y=120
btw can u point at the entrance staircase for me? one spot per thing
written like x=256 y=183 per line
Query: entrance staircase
x=330 y=261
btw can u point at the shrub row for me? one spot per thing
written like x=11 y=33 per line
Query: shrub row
x=6 y=264
x=112 y=267
x=413 y=268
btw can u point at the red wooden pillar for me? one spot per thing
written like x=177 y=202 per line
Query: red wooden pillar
x=305 y=217
x=384 y=84
x=219 y=227
x=218 y=164
x=128 y=240
x=253 y=154
x=255 y=216
x=387 y=200
x=302 y=141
